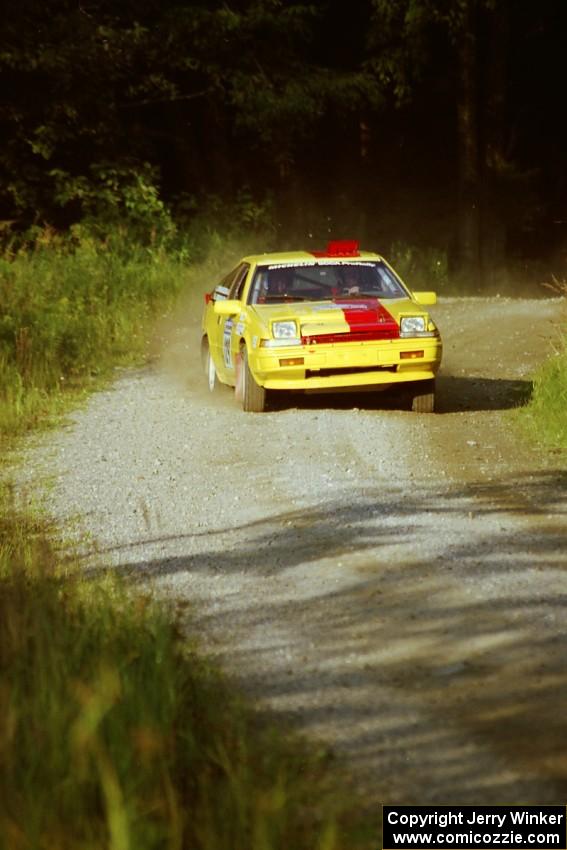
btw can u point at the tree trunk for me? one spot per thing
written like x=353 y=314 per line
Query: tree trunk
x=218 y=150
x=493 y=231
x=468 y=149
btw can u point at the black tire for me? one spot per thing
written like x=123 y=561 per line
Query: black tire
x=423 y=397
x=209 y=366
x=253 y=395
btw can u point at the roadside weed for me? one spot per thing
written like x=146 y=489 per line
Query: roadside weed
x=114 y=734
x=545 y=417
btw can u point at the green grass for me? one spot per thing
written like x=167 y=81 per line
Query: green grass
x=113 y=733
x=71 y=312
x=544 y=419
x=68 y=315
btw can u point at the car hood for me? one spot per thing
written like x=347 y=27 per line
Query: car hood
x=347 y=318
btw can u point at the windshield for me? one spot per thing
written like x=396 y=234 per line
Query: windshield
x=318 y=281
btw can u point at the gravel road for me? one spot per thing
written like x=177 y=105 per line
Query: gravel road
x=391 y=583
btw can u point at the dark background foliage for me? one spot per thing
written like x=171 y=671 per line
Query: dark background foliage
x=438 y=123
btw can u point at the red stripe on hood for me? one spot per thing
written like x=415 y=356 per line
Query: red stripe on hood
x=367 y=319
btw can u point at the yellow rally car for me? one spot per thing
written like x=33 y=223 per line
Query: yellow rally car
x=318 y=321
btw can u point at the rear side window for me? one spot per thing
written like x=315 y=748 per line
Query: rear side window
x=238 y=280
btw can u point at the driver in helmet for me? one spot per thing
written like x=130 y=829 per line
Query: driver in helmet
x=351 y=282
x=279 y=282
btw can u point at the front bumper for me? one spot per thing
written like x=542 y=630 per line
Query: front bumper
x=344 y=364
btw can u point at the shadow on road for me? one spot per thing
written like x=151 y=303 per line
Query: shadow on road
x=443 y=673
x=454 y=394
x=345 y=522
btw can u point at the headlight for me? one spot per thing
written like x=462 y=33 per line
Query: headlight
x=284 y=330
x=284 y=334
x=412 y=324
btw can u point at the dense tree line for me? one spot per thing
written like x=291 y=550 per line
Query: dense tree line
x=437 y=121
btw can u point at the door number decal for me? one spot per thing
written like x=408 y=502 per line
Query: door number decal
x=226 y=343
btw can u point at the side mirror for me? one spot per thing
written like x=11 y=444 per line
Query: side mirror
x=425 y=298
x=227 y=307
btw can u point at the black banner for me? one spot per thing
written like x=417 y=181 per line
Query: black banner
x=480 y=827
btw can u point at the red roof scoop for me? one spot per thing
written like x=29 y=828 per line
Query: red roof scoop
x=340 y=248
x=343 y=248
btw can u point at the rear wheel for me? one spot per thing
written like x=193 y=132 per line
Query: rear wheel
x=209 y=366
x=253 y=395
x=423 y=397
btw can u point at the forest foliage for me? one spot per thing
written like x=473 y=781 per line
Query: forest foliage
x=417 y=120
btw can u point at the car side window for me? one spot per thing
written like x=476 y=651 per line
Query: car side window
x=259 y=286
x=222 y=289
x=237 y=284
x=387 y=282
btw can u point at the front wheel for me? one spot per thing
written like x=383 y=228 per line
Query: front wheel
x=253 y=396
x=423 y=397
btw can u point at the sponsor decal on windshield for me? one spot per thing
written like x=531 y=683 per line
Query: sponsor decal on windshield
x=331 y=261
x=346 y=305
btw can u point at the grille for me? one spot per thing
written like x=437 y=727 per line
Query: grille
x=347 y=370
x=387 y=332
